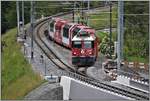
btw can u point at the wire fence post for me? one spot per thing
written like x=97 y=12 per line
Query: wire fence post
x=88 y=23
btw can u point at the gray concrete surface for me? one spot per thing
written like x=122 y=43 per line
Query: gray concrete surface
x=46 y=91
x=77 y=90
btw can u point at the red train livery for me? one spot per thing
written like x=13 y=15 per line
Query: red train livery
x=79 y=38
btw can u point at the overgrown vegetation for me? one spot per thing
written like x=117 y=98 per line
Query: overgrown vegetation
x=136 y=31
x=18 y=77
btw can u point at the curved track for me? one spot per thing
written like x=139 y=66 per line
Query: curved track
x=51 y=55
x=70 y=71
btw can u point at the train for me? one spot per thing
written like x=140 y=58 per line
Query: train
x=80 y=38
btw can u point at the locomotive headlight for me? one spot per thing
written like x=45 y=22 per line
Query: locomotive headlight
x=90 y=52
x=74 y=53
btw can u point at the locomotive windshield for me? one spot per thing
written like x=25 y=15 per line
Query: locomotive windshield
x=89 y=44
x=76 y=44
x=75 y=31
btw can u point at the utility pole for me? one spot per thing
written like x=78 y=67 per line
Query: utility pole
x=88 y=13
x=122 y=29
x=18 y=18
x=120 y=32
x=82 y=12
x=23 y=18
x=73 y=11
x=149 y=42
x=32 y=27
x=110 y=27
x=78 y=6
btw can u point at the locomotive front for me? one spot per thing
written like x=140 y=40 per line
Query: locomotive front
x=84 y=48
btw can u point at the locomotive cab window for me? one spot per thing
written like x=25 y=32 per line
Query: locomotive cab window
x=66 y=31
x=52 y=26
x=75 y=31
x=89 y=44
x=76 y=44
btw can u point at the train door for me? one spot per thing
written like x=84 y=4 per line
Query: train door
x=57 y=34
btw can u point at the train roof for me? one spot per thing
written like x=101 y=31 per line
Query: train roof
x=59 y=19
x=81 y=26
x=87 y=38
x=70 y=23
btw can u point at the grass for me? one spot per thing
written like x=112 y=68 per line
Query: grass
x=101 y=35
x=101 y=20
x=18 y=77
x=137 y=59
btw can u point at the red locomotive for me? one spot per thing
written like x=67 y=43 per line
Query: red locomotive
x=79 y=38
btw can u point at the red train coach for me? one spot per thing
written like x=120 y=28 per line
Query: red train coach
x=60 y=31
x=56 y=29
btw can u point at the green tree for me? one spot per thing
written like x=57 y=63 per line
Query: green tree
x=105 y=46
x=8 y=15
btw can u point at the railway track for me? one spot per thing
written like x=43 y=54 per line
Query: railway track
x=51 y=55
x=69 y=71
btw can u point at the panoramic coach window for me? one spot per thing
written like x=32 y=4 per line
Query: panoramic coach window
x=66 y=31
x=52 y=26
x=77 y=44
